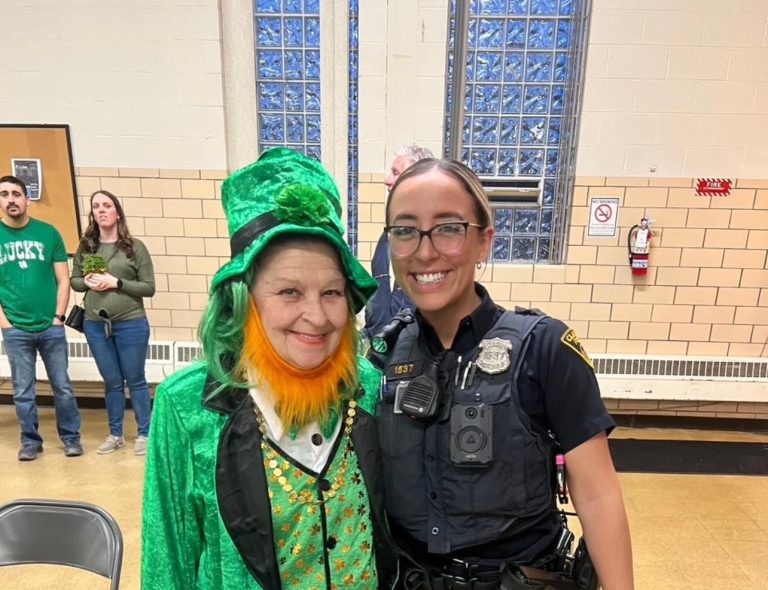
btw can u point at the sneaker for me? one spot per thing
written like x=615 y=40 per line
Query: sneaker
x=140 y=446
x=73 y=448
x=29 y=452
x=110 y=445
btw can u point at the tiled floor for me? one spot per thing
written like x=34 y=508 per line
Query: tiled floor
x=689 y=531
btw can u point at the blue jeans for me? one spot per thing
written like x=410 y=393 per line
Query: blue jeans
x=22 y=348
x=120 y=358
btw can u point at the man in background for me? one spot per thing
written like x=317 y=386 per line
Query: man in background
x=389 y=298
x=34 y=293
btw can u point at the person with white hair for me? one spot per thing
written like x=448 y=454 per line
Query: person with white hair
x=389 y=297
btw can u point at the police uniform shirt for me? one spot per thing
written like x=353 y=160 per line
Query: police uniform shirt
x=558 y=390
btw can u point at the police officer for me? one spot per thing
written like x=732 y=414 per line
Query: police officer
x=478 y=401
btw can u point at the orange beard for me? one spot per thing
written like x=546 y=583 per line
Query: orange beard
x=301 y=395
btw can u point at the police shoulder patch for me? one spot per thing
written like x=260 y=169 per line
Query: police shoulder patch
x=571 y=340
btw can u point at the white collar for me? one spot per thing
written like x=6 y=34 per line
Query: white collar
x=265 y=401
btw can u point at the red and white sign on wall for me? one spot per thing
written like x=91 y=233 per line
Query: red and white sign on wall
x=603 y=212
x=713 y=187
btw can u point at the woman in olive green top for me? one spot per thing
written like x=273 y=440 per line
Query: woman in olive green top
x=116 y=325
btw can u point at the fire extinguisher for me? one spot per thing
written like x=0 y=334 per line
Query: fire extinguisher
x=639 y=244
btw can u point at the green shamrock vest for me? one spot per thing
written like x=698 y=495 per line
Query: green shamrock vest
x=322 y=525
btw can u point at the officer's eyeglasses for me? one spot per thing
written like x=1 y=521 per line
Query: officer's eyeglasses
x=447 y=238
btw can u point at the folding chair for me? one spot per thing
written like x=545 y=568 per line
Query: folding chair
x=60 y=532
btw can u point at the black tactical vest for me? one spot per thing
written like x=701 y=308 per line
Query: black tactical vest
x=451 y=507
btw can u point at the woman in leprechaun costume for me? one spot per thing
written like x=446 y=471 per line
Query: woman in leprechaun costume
x=262 y=469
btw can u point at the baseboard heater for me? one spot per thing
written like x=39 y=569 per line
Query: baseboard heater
x=743 y=379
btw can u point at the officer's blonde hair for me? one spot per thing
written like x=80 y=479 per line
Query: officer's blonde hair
x=459 y=172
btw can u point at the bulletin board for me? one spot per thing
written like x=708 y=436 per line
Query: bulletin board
x=58 y=198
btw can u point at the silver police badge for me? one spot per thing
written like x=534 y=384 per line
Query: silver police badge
x=494 y=356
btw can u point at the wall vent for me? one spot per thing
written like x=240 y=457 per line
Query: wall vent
x=683 y=367
x=620 y=376
x=707 y=379
x=79 y=349
x=159 y=352
x=186 y=353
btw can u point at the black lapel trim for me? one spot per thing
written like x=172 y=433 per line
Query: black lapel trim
x=241 y=485
x=365 y=440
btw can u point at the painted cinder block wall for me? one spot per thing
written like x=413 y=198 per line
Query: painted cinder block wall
x=674 y=91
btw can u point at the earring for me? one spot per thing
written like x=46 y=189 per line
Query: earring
x=478 y=265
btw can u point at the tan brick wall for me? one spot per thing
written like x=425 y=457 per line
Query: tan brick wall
x=177 y=214
x=706 y=292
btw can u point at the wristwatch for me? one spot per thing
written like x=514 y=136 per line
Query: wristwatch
x=119 y=284
x=61 y=317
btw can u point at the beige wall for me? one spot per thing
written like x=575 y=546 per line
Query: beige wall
x=139 y=83
x=676 y=88
x=178 y=215
x=706 y=293
x=673 y=88
x=402 y=77
x=141 y=88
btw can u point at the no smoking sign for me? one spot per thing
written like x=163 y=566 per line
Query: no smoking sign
x=603 y=212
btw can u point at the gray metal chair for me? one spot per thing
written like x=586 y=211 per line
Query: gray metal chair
x=61 y=532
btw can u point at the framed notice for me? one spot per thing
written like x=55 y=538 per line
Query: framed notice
x=30 y=172
x=28 y=149
x=603 y=212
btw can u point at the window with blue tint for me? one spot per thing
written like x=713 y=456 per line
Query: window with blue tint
x=526 y=221
x=541 y=33
x=292 y=6
x=287 y=37
x=353 y=173
x=268 y=32
x=271 y=96
x=508 y=164
x=501 y=248
x=510 y=127
x=491 y=33
x=294 y=32
x=267 y=6
x=524 y=64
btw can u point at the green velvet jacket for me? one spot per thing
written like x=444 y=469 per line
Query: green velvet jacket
x=207 y=520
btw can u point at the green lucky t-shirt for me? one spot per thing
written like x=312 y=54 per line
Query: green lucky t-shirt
x=28 y=284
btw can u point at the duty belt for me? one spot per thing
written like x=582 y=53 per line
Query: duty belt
x=460 y=575
x=453 y=575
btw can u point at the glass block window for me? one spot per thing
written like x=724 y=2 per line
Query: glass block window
x=352 y=150
x=287 y=37
x=524 y=63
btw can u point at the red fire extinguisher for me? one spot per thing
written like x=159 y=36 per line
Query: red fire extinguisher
x=639 y=244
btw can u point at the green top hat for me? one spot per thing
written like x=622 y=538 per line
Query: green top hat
x=286 y=192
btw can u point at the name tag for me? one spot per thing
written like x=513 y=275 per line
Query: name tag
x=405 y=370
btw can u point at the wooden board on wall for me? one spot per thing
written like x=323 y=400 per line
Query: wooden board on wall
x=58 y=201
